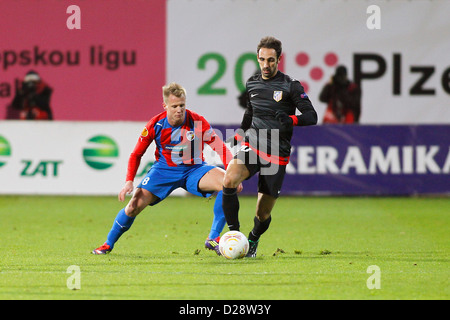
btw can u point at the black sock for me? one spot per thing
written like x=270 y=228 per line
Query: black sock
x=230 y=205
x=259 y=228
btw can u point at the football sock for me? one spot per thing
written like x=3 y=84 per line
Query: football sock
x=231 y=208
x=219 y=218
x=121 y=224
x=259 y=228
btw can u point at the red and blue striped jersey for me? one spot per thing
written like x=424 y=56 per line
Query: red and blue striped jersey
x=177 y=146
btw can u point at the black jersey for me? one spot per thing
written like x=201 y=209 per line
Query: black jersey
x=264 y=99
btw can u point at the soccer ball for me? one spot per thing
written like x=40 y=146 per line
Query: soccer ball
x=233 y=245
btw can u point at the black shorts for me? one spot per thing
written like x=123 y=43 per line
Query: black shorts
x=271 y=175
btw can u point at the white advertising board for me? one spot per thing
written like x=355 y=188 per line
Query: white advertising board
x=87 y=158
x=403 y=67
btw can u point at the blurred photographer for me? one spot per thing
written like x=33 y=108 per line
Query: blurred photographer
x=33 y=98
x=343 y=98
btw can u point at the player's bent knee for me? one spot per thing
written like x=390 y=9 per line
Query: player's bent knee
x=132 y=209
x=140 y=200
x=231 y=180
x=235 y=175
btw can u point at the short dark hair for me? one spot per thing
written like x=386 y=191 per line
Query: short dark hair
x=270 y=43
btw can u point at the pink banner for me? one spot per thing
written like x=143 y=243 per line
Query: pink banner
x=110 y=66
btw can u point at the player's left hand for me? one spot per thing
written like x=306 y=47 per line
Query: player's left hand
x=240 y=187
x=284 y=118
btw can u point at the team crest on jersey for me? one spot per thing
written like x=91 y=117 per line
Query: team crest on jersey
x=277 y=95
x=190 y=135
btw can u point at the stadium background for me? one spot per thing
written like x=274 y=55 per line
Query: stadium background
x=107 y=80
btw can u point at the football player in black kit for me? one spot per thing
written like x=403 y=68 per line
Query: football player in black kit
x=268 y=122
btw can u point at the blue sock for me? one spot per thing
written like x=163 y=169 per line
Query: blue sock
x=121 y=224
x=219 y=218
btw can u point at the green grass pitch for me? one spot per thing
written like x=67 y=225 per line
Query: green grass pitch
x=316 y=248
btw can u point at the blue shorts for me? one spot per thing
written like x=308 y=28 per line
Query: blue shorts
x=161 y=181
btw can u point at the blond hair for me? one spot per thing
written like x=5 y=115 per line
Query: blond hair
x=174 y=89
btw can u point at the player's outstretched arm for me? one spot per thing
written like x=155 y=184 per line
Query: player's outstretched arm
x=127 y=189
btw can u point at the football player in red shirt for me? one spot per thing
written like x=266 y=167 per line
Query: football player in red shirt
x=179 y=135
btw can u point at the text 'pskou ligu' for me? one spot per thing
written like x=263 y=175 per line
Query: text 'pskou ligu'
x=111 y=59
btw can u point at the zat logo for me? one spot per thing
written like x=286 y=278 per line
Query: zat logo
x=316 y=73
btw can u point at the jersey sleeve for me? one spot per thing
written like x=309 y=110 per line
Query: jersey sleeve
x=301 y=101
x=144 y=140
x=216 y=143
x=248 y=114
x=247 y=118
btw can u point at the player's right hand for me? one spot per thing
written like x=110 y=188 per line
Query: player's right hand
x=283 y=118
x=127 y=189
